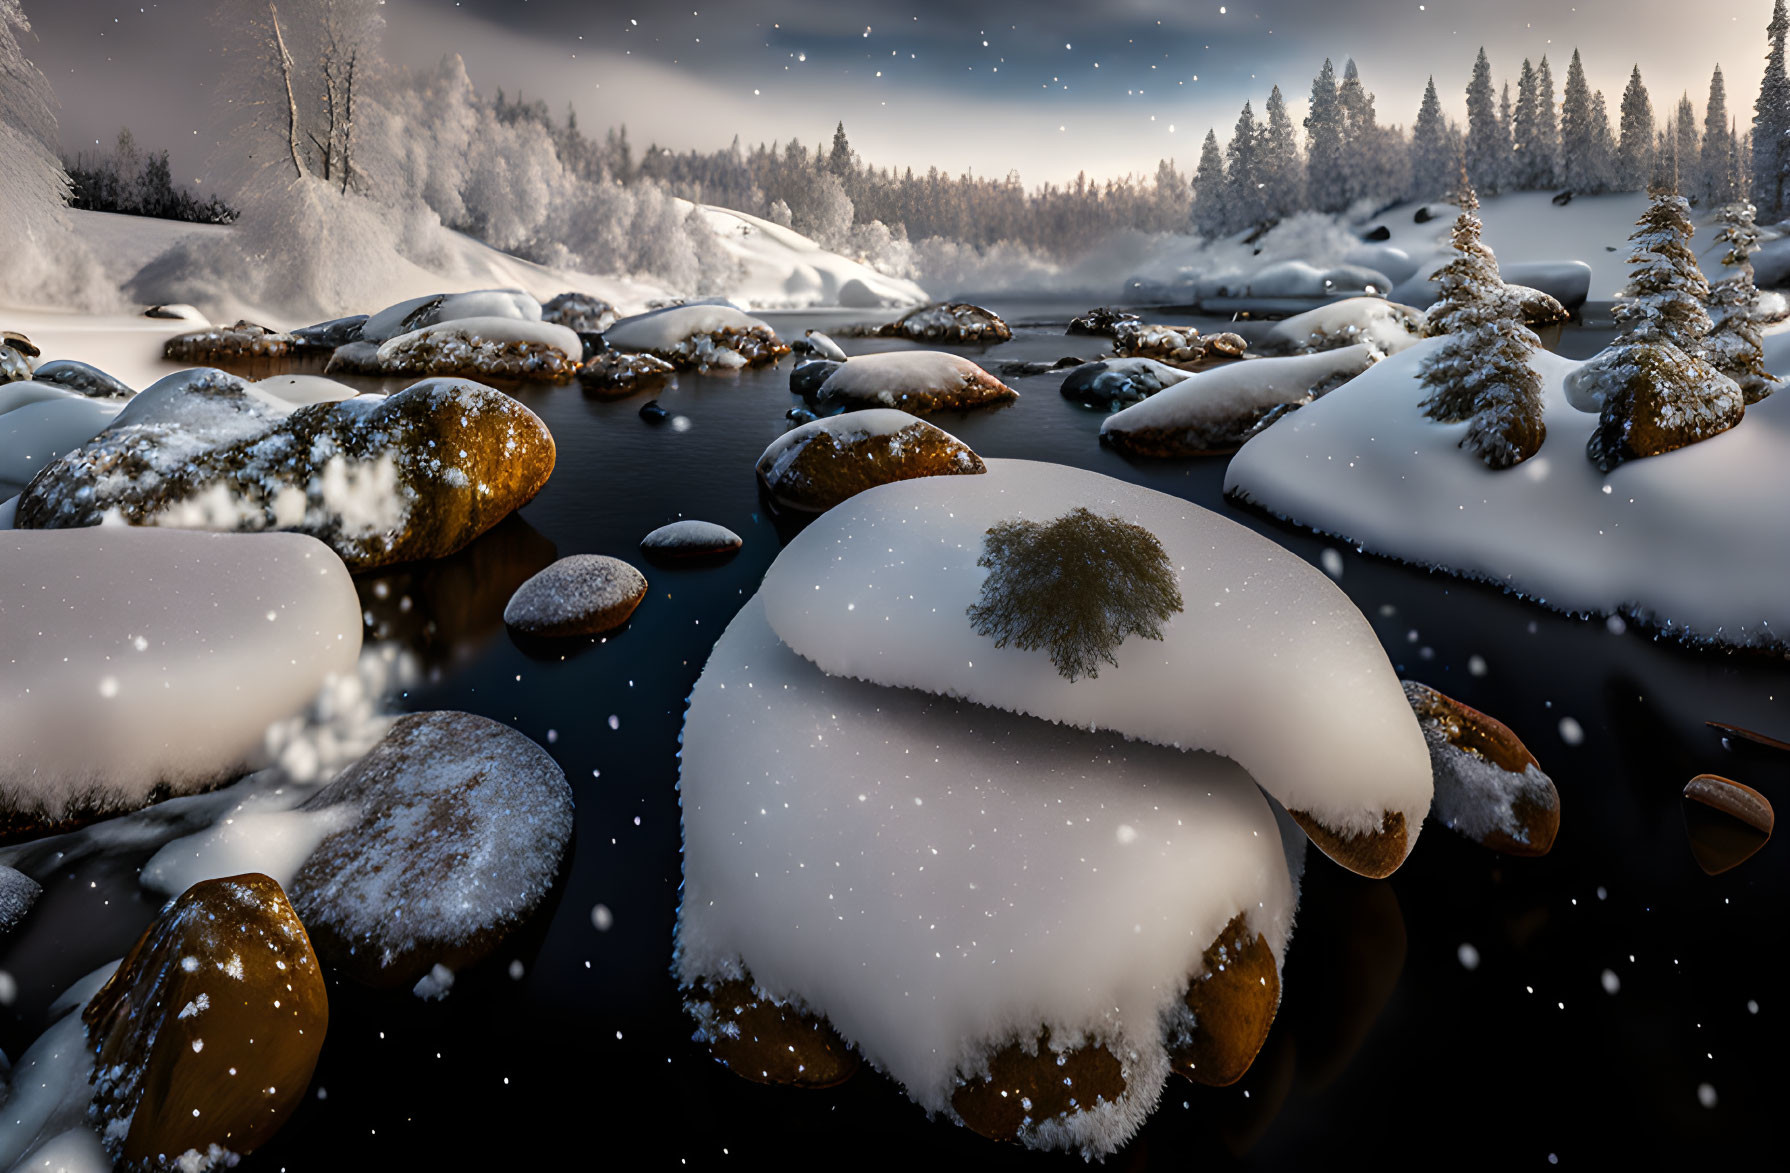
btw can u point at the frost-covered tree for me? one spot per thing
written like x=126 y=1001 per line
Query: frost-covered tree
x=1600 y=172
x=1547 y=125
x=1714 y=186
x=1507 y=161
x=1486 y=146
x=839 y=160
x=1481 y=372
x=1433 y=162
x=1771 y=123
x=1733 y=345
x=1667 y=289
x=1282 y=170
x=1635 y=149
x=1244 y=196
x=1531 y=166
x=1211 y=217
x=1685 y=147
x=1324 y=131
x=1578 y=133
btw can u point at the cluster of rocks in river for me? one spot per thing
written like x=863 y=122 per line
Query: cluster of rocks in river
x=1174 y=345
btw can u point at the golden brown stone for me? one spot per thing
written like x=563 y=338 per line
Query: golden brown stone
x=1728 y=822
x=975 y=388
x=1024 y=1089
x=1666 y=400
x=1375 y=855
x=207 y=1033
x=1233 y=1001
x=766 y=1042
x=827 y=470
x=1529 y=797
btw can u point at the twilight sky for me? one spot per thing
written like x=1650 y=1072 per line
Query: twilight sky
x=1044 y=87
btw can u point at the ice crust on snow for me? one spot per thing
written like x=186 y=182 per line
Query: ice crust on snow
x=132 y=657
x=1207 y=400
x=1693 y=540
x=939 y=878
x=1269 y=664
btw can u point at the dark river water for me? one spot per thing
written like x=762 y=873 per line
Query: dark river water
x=1613 y=978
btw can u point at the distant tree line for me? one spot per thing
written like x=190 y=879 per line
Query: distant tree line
x=138 y=183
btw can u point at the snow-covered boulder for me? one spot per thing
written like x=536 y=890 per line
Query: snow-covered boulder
x=1651 y=398
x=206 y=1035
x=1489 y=787
x=82 y=378
x=582 y=594
x=1217 y=410
x=699 y=337
x=879 y=588
x=818 y=464
x=483 y=348
x=955 y=323
x=416 y=313
x=148 y=662
x=579 y=312
x=920 y=382
x=1021 y=877
x=1113 y=383
x=819 y=344
x=241 y=343
x=1298 y=279
x=1176 y=345
x=417 y=474
x=41 y=421
x=1386 y=325
x=690 y=539
x=462 y=826
x=615 y=373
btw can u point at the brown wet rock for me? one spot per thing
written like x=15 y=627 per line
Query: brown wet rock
x=463 y=824
x=1024 y=1089
x=1662 y=399
x=417 y=475
x=816 y=466
x=1226 y=345
x=1728 y=822
x=954 y=322
x=613 y=374
x=584 y=594
x=1233 y=1001
x=579 y=312
x=13 y=340
x=1175 y=345
x=1489 y=787
x=917 y=382
x=1375 y=855
x=764 y=1041
x=206 y=1036
x=231 y=345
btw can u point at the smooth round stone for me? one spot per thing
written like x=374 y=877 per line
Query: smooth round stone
x=690 y=539
x=585 y=594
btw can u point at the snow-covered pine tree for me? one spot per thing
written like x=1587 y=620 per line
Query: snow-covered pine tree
x=1211 y=218
x=1771 y=123
x=1283 y=172
x=1578 y=136
x=1667 y=288
x=1507 y=150
x=1243 y=182
x=1530 y=168
x=1486 y=147
x=1602 y=168
x=1686 y=147
x=1634 y=150
x=1360 y=134
x=1433 y=162
x=1547 y=126
x=839 y=159
x=1325 y=185
x=1733 y=343
x=1713 y=185
x=1481 y=371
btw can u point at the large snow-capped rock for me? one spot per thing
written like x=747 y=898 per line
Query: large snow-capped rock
x=943 y=881
x=417 y=474
x=139 y=660
x=417 y=313
x=880 y=589
x=919 y=382
x=699 y=336
x=484 y=347
x=823 y=462
x=1387 y=325
x=1692 y=540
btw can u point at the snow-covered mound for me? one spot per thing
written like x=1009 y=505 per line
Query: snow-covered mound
x=1692 y=540
x=880 y=588
x=415 y=313
x=143 y=658
x=1387 y=325
x=780 y=268
x=1216 y=410
x=699 y=336
x=937 y=907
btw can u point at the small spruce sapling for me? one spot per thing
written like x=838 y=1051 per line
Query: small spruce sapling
x=1733 y=346
x=1078 y=587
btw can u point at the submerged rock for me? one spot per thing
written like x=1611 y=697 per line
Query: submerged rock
x=1103 y=321
x=808 y=377
x=579 y=312
x=1651 y=397
x=1728 y=822
x=584 y=594
x=206 y=1036
x=18 y=892
x=614 y=373
x=920 y=382
x=227 y=345
x=417 y=474
x=821 y=463
x=765 y=1041
x=691 y=539
x=78 y=376
x=700 y=337
x=652 y=413
x=1115 y=382
x=463 y=824
x=1489 y=787
x=1015 y=370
